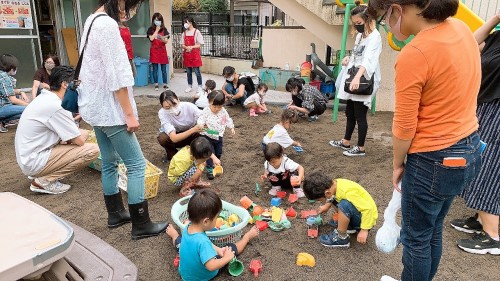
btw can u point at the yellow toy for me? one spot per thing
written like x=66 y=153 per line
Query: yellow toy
x=233 y=220
x=218 y=170
x=276 y=214
x=305 y=259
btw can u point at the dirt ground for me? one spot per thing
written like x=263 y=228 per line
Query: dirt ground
x=243 y=163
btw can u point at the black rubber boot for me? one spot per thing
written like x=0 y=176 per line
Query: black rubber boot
x=142 y=227
x=117 y=215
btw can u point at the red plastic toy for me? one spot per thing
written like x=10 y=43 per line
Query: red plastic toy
x=281 y=194
x=291 y=213
x=176 y=261
x=305 y=214
x=312 y=233
x=292 y=198
x=262 y=225
x=256 y=267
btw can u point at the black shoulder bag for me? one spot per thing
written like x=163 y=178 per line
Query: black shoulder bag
x=70 y=100
x=365 y=85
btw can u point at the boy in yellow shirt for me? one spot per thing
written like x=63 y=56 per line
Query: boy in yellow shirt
x=355 y=206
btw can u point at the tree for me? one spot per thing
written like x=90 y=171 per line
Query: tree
x=213 y=6
x=186 y=5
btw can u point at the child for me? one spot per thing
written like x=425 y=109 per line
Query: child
x=279 y=169
x=215 y=119
x=279 y=132
x=256 y=101
x=355 y=206
x=201 y=98
x=188 y=164
x=199 y=258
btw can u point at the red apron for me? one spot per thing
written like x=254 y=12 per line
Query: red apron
x=193 y=58
x=158 y=51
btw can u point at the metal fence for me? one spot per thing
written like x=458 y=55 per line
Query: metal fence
x=483 y=8
x=221 y=39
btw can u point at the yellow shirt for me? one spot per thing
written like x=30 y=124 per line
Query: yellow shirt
x=180 y=164
x=360 y=198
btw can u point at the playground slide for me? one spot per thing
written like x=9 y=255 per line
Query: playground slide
x=326 y=74
x=464 y=14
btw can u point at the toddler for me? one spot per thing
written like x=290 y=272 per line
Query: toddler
x=279 y=170
x=279 y=133
x=201 y=97
x=356 y=208
x=214 y=119
x=256 y=101
x=199 y=258
x=188 y=164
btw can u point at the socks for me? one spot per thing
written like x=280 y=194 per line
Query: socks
x=342 y=235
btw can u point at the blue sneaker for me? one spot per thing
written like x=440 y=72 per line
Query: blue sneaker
x=333 y=240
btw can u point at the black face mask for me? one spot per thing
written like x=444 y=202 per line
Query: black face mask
x=360 y=27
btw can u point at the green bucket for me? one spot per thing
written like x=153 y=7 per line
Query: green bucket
x=236 y=267
x=306 y=79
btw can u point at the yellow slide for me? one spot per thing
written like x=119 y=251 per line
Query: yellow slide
x=464 y=14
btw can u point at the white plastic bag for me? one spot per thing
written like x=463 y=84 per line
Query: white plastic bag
x=387 y=238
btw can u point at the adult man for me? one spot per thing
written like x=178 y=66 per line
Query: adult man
x=236 y=88
x=49 y=145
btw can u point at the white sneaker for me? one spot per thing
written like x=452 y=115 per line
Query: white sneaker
x=274 y=190
x=55 y=187
x=189 y=89
x=299 y=192
x=387 y=278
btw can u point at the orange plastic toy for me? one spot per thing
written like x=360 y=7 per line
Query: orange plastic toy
x=257 y=210
x=293 y=198
x=256 y=267
x=305 y=214
x=246 y=202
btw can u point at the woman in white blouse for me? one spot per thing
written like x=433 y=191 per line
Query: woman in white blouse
x=365 y=56
x=106 y=102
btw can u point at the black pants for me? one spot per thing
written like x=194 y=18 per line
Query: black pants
x=319 y=107
x=216 y=146
x=355 y=112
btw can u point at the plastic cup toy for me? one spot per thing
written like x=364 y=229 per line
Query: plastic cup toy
x=235 y=267
x=281 y=194
x=257 y=210
x=218 y=170
x=275 y=202
x=261 y=225
x=246 y=202
x=291 y=213
x=298 y=149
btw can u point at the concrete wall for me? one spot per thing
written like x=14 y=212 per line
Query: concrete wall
x=215 y=65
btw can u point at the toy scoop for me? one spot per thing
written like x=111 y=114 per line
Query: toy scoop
x=217 y=171
x=235 y=267
x=387 y=237
x=305 y=259
x=256 y=267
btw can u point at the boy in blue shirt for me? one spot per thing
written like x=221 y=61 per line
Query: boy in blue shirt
x=199 y=258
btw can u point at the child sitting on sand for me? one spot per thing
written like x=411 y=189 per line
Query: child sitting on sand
x=356 y=208
x=200 y=99
x=199 y=258
x=256 y=101
x=279 y=133
x=282 y=171
x=187 y=165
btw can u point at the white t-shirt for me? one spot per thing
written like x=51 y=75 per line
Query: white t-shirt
x=279 y=135
x=105 y=69
x=366 y=53
x=216 y=122
x=42 y=126
x=198 y=37
x=202 y=100
x=186 y=119
x=254 y=98
x=286 y=165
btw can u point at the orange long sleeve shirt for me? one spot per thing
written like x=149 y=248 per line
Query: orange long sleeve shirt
x=438 y=75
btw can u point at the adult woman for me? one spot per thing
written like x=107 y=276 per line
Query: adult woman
x=178 y=123
x=306 y=99
x=11 y=107
x=158 y=35
x=191 y=44
x=366 y=52
x=484 y=192
x=435 y=122
x=106 y=102
x=127 y=40
x=41 y=77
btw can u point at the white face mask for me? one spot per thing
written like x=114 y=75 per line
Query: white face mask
x=158 y=22
x=230 y=79
x=49 y=65
x=262 y=94
x=186 y=25
x=13 y=72
x=173 y=110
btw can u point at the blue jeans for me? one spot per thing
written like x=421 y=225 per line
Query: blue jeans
x=428 y=190
x=216 y=147
x=351 y=213
x=11 y=112
x=116 y=144
x=189 y=71
x=230 y=89
x=163 y=73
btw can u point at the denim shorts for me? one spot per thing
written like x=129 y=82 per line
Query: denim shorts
x=350 y=212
